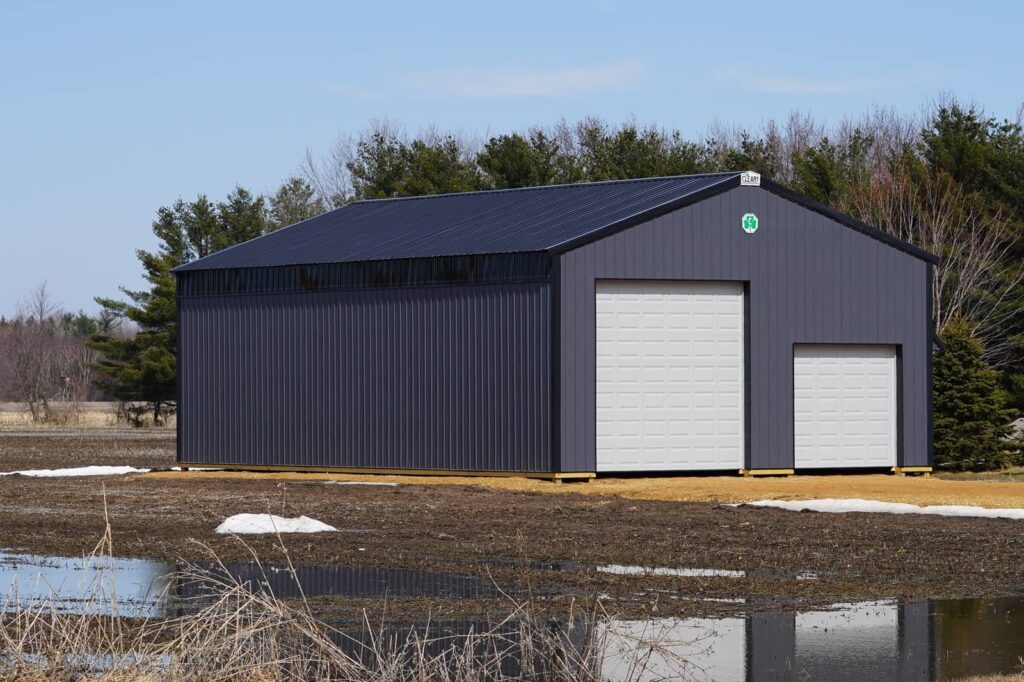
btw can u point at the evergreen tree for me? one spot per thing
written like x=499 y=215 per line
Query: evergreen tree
x=243 y=216
x=378 y=165
x=762 y=155
x=511 y=161
x=143 y=368
x=626 y=152
x=294 y=201
x=956 y=141
x=826 y=171
x=971 y=418
x=438 y=165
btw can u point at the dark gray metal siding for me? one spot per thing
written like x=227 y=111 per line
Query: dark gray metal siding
x=446 y=377
x=810 y=280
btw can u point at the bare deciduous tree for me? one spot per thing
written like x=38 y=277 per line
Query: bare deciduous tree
x=329 y=177
x=975 y=279
x=42 y=361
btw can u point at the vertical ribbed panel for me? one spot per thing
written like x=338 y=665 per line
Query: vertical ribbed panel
x=419 y=378
x=811 y=280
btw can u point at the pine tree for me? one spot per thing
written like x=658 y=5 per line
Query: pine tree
x=971 y=418
x=294 y=201
x=143 y=369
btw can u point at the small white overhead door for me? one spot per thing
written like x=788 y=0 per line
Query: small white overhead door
x=670 y=384
x=844 y=406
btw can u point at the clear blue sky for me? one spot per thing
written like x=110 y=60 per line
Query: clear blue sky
x=110 y=110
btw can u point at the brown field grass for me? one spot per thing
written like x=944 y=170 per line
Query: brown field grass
x=724 y=489
x=84 y=415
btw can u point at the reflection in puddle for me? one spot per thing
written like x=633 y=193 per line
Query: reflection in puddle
x=691 y=649
x=343 y=581
x=914 y=640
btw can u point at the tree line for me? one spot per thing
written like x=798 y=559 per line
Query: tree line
x=45 y=356
x=950 y=181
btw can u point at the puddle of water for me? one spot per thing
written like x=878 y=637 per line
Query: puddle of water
x=345 y=581
x=913 y=640
x=132 y=587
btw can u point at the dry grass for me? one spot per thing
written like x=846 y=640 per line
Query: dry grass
x=915 y=490
x=85 y=415
x=1015 y=474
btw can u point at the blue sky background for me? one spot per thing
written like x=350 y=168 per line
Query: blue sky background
x=110 y=110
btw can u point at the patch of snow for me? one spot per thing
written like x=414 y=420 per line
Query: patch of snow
x=196 y=469
x=77 y=471
x=618 y=569
x=717 y=600
x=377 y=483
x=248 y=524
x=844 y=506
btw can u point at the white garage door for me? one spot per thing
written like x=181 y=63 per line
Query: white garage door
x=670 y=385
x=844 y=406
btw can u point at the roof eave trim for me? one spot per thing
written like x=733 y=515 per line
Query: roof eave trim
x=726 y=184
x=849 y=221
x=186 y=267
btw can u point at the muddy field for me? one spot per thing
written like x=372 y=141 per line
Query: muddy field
x=552 y=546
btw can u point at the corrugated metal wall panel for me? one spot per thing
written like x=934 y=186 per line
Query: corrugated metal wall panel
x=424 y=378
x=811 y=280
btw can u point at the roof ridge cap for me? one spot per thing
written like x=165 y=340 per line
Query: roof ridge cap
x=564 y=185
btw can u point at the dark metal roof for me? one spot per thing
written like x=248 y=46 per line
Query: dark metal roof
x=552 y=218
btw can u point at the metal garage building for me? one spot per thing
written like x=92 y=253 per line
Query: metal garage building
x=709 y=322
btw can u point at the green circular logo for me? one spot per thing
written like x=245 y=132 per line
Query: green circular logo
x=749 y=223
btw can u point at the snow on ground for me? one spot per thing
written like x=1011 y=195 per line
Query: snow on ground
x=77 y=471
x=842 y=506
x=247 y=524
x=619 y=569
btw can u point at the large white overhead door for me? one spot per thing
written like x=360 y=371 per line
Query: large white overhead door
x=844 y=406
x=670 y=379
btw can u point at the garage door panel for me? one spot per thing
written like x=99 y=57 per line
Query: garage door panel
x=844 y=403
x=676 y=350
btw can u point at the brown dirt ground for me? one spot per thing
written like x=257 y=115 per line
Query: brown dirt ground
x=491 y=527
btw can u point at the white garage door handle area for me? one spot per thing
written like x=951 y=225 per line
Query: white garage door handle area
x=844 y=406
x=670 y=375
